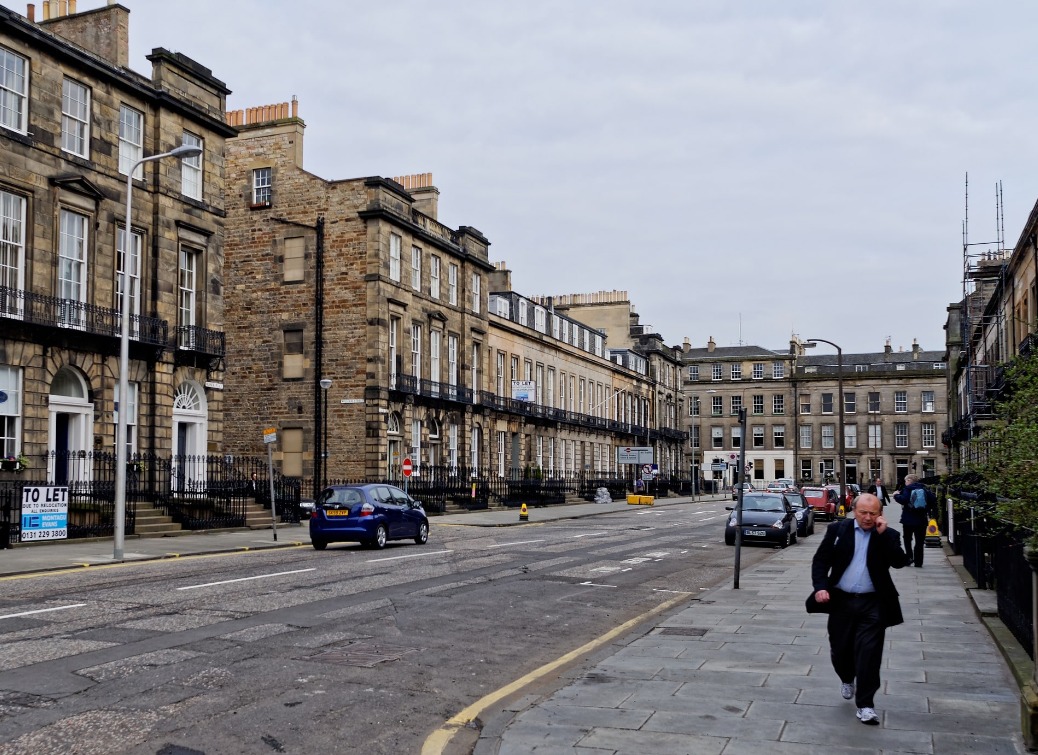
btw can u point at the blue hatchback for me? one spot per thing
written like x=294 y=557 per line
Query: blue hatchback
x=369 y=514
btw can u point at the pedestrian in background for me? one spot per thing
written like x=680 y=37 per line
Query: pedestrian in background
x=916 y=500
x=879 y=490
x=850 y=573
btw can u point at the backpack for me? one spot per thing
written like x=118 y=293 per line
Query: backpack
x=919 y=499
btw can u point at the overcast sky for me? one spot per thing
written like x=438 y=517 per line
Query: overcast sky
x=744 y=170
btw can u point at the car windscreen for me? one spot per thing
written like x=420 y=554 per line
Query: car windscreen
x=796 y=500
x=763 y=503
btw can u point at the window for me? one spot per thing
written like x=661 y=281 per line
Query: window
x=828 y=436
x=452 y=446
x=778 y=436
x=524 y=308
x=133 y=271
x=293 y=268
x=717 y=437
x=416 y=443
x=758 y=403
x=805 y=469
x=11 y=409
x=501 y=374
x=475 y=292
x=695 y=436
x=778 y=404
x=191 y=169
x=850 y=436
x=805 y=436
x=477 y=441
x=416 y=268
x=131 y=417
x=805 y=403
x=12 y=248
x=540 y=320
x=14 y=90
x=736 y=437
x=394 y=359
x=695 y=406
x=875 y=435
x=477 y=366
x=900 y=435
x=758 y=436
x=736 y=404
x=849 y=404
x=394 y=257
x=187 y=283
x=736 y=372
x=827 y=403
x=131 y=140
x=452 y=283
x=715 y=372
x=716 y=406
x=778 y=370
x=513 y=369
x=900 y=402
x=873 y=402
x=75 y=118
x=261 y=187
x=501 y=453
x=758 y=370
x=72 y=263
x=435 y=351
x=549 y=392
x=416 y=350
x=693 y=372
x=434 y=277
x=929 y=434
x=452 y=360
x=927 y=401
x=292 y=362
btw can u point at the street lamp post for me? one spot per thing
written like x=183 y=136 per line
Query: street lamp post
x=810 y=344
x=326 y=383
x=181 y=152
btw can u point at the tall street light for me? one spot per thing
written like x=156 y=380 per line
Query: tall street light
x=182 y=152
x=326 y=383
x=810 y=344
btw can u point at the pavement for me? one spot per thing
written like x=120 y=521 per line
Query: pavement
x=733 y=672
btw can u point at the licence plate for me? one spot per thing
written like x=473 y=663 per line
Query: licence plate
x=755 y=533
x=336 y=512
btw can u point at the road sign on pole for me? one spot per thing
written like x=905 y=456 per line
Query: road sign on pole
x=407 y=467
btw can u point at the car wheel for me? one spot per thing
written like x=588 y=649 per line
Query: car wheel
x=318 y=544
x=811 y=529
x=380 y=537
x=423 y=534
x=788 y=541
x=729 y=540
x=793 y=536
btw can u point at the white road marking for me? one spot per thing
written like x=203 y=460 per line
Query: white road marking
x=245 y=579
x=41 y=610
x=521 y=542
x=635 y=560
x=413 y=555
x=606 y=569
x=657 y=554
x=589 y=534
x=592 y=584
x=679 y=592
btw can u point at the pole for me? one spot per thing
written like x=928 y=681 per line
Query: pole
x=273 y=502
x=738 y=505
x=843 y=445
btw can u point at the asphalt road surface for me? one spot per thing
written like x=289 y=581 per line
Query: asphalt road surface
x=345 y=650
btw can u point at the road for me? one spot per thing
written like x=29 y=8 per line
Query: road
x=345 y=650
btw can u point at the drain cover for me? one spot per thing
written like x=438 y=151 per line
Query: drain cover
x=363 y=654
x=683 y=631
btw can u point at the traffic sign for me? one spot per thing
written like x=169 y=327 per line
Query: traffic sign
x=407 y=467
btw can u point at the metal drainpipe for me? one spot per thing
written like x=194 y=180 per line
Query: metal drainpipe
x=319 y=407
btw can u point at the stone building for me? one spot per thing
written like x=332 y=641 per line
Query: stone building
x=426 y=352
x=893 y=407
x=74 y=120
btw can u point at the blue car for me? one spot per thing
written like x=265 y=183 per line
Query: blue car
x=369 y=514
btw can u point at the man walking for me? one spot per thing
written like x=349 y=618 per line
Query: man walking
x=851 y=575
x=879 y=490
x=915 y=500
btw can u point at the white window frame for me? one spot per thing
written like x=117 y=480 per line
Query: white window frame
x=11 y=410
x=778 y=370
x=805 y=436
x=778 y=436
x=476 y=280
x=136 y=244
x=758 y=370
x=131 y=140
x=12 y=249
x=850 y=436
x=926 y=401
x=75 y=118
x=900 y=402
x=758 y=436
x=14 y=90
x=435 y=356
x=262 y=186
x=875 y=435
x=929 y=434
x=452 y=446
x=416 y=268
x=693 y=372
x=452 y=284
x=778 y=404
x=900 y=435
x=452 y=360
x=191 y=168
x=434 y=276
x=131 y=417
x=72 y=266
x=394 y=330
x=187 y=293
x=736 y=371
x=716 y=406
x=395 y=243
x=828 y=436
x=416 y=350
x=715 y=371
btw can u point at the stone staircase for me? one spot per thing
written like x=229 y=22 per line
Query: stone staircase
x=151 y=522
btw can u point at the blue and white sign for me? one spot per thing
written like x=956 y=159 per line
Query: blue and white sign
x=44 y=514
x=524 y=390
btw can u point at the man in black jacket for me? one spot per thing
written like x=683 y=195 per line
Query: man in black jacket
x=879 y=490
x=851 y=575
x=914 y=517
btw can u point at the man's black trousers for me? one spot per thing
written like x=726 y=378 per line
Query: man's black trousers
x=856 y=634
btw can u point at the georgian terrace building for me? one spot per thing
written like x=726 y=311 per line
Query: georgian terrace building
x=74 y=120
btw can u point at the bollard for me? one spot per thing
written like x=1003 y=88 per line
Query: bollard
x=933 y=535
x=524 y=515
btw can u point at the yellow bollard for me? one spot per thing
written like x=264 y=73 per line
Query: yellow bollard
x=933 y=535
x=524 y=515
x=841 y=512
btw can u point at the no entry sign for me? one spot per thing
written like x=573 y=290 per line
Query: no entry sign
x=407 y=467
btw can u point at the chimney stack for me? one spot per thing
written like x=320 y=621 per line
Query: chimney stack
x=710 y=345
x=915 y=348
x=886 y=347
x=686 y=346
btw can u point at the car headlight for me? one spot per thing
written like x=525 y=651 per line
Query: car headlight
x=800 y=514
x=779 y=523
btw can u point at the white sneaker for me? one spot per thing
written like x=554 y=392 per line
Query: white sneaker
x=847 y=690
x=868 y=716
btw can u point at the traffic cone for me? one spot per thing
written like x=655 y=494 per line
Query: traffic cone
x=933 y=535
x=524 y=515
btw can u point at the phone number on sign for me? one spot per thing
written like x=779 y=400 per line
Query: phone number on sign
x=60 y=534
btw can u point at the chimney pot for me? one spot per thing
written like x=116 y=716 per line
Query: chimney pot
x=30 y=13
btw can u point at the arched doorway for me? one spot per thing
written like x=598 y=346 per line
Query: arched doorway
x=190 y=432
x=395 y=450
x=70 y=427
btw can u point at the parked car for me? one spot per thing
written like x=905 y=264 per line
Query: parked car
x=788 y=482
x=369 y=514
x=804 y=513
x=779 y=487
x=822 y=500
x=766 y=518
x=848 y=499
x=746 y=487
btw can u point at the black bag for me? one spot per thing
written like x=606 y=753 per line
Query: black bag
x=813 y=606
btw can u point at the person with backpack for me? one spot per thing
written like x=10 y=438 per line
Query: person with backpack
x=915 y=500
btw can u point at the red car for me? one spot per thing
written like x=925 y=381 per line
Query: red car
x=848 y=495
x=822 y=500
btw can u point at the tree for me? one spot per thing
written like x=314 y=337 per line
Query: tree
x=1007 y=450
